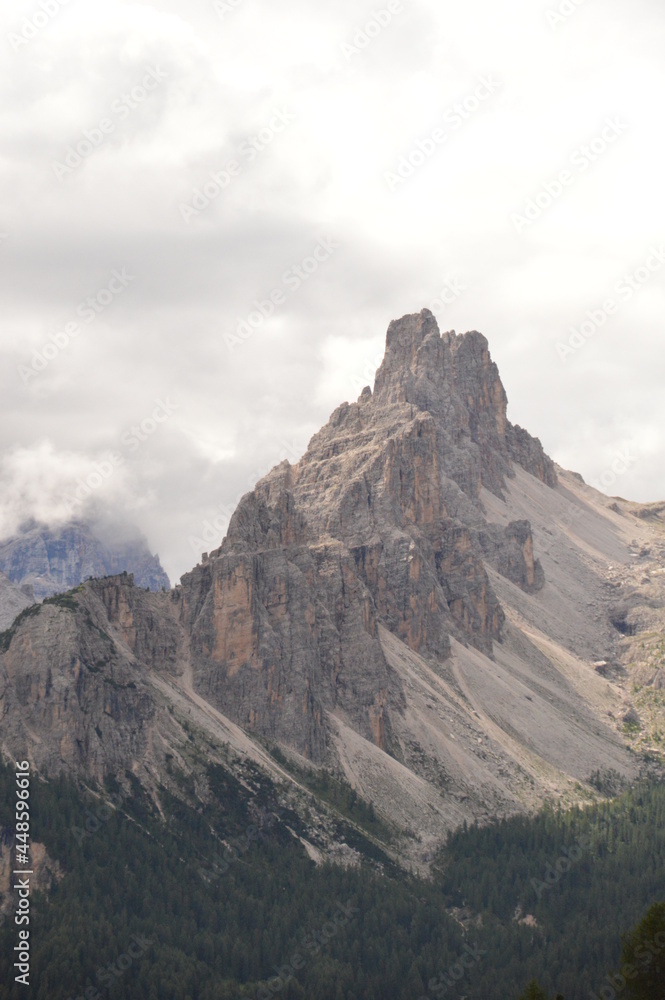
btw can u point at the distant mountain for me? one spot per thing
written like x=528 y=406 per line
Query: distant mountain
x=12 y=600
x=51 y=560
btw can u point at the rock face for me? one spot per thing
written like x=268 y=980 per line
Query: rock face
x=12 y=600
x=417 y=605
x=52 y=560
x=74 y=669
x=510 y=551
x=45 y=871
x=379 y=523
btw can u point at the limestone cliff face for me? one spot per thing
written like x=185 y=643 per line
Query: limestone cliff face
x=377 y=524
x=354 y=614
x=71 y=694
x=150 y=635
x=510 y=551
x=280 y=623
x=455 y=380
x=12 y=601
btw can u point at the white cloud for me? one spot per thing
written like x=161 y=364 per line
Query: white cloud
x=323 y=175
x=48 y=485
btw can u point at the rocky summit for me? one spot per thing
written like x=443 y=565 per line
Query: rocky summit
x=423 y=605
x=378 y=526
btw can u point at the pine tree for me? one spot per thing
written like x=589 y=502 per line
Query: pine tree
x=643 y=957
x=534 y=992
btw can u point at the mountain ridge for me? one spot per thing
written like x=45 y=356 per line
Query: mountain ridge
x=51 y=559
x=13 y=600
x=419 y=606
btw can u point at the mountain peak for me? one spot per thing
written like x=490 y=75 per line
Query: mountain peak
x=453 y=378
x=360 y=612
x=412 y=342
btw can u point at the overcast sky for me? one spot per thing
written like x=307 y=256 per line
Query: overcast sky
x=501 y=164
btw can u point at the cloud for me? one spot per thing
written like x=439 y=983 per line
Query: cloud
x=44 y=484
x=227 y=81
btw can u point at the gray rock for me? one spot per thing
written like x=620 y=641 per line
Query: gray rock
x=52 y=560
x=510 y=551
x=377 y=525
x=12 y=601
x=326 y=618
x=63 y=676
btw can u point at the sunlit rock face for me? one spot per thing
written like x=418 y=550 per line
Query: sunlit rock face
x=378 y=523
